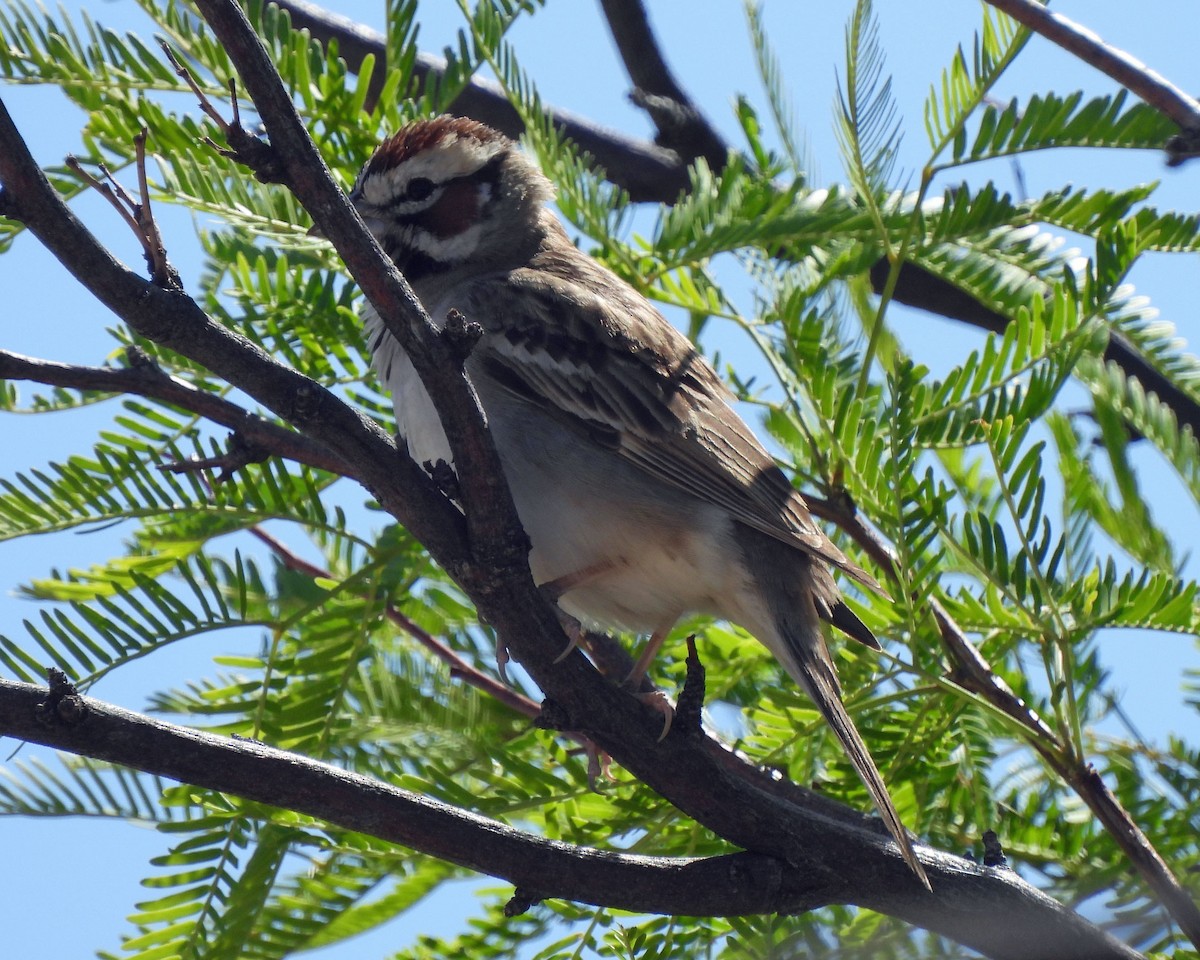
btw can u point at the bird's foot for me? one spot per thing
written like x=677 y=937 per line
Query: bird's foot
x=503 y=657
x=599 y=765
x=660 y=702
x=553 y=591
x=574 y=631
x=571 y=627
x=554 y=717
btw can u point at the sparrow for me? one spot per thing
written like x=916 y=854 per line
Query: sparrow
x=644 y=495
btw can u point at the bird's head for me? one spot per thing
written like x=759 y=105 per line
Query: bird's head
x=449 y=191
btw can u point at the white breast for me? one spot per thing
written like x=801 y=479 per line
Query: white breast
x=416 y=419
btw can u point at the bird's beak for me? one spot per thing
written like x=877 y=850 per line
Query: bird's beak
x=374 y=224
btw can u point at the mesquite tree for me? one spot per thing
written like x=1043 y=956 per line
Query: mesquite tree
x=357 y=748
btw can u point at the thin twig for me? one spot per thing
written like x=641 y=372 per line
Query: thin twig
x=458 y=666
x=206 y=105
x=244 y=146
x=460 y=669
x=136 y=213
x=110 y=189
x=239 y=452
x=161 y=270
x=973 y=672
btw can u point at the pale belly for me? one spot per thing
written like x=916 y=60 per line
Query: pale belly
x=641 y=565
x=638 y=555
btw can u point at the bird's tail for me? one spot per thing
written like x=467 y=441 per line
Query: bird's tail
x=806 y=658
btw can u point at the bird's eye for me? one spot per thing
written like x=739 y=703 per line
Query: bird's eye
x=419 y=188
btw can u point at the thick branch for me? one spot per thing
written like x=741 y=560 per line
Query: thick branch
x=497 y=580
x=1030 y=923
x=263 y=84
x=713 y=886
x=496 y=538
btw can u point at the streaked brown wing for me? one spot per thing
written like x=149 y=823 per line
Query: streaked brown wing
x=614 y=364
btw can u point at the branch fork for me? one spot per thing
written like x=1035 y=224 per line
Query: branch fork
x=136 y=213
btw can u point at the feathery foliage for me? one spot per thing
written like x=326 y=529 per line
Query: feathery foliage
x=1026 y=520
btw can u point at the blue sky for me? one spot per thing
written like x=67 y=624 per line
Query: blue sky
x=72 y=902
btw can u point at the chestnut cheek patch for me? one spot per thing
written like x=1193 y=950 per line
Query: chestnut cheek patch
x=456 y=211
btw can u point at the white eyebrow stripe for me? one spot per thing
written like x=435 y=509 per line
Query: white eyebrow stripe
x=450 y=158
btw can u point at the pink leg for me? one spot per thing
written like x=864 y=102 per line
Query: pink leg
x=553 y=591
x=653 y=645
x=655 y=699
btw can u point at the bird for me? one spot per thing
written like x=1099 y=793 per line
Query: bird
x=645 y=496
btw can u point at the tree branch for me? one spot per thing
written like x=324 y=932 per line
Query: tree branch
x=459 y=667
x=499 y=583
x=833 y=857
x=144 y=378
x=711 y=886
x=681 y=125
x=495 y=535
x=1127 y=70
x=918 y=288
x=174 y=321
x=974 y=673
x=1003 y=906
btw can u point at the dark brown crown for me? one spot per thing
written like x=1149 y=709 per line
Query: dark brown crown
x=421 y=135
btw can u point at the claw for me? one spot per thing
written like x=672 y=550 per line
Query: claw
x=599 y=765
x=657 y=700
x=571 y=645
x=553 y=591
x=571 y=627
x=574 y=634
x=502 y=658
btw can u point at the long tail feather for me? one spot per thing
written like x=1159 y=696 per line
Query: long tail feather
x=815 y=675
x=790 y=592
